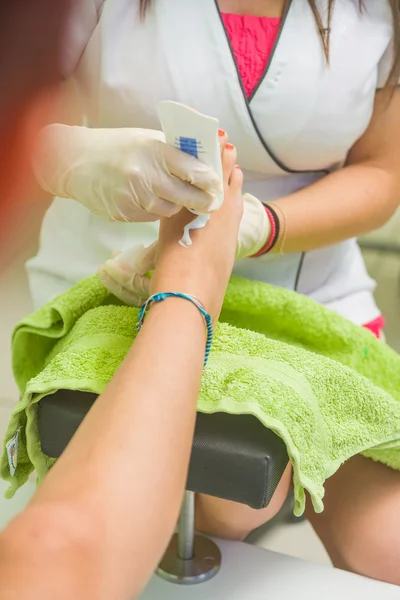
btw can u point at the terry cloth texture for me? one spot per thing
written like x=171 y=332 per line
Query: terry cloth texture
x=329 y=388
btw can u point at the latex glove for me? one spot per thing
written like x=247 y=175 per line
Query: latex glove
x=125 y=277
x=123 y=174
x=255 y=228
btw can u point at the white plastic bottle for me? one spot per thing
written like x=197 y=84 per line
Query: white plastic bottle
x=196 y=134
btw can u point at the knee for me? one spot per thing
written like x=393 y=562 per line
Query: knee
x=223 y=524
x=232 y=521
x=379 y=561
x=372 y=552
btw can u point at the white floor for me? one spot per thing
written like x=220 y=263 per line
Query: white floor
x=293 y=539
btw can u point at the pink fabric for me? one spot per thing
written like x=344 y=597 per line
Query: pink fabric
x=252 y=40
x=376 y=327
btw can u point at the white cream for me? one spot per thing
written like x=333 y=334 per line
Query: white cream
x=196 y=134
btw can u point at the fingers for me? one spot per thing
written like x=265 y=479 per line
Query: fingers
x=189 y=169
x=125 y=275
x=229 y=156
x=176 y=194
x=126 y=296
x=129 y=280
x=189 y=183
x=138 y=259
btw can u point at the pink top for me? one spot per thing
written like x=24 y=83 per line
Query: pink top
x=252 y=40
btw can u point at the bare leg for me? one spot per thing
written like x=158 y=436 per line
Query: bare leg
x=360 y=526
x=233 y=521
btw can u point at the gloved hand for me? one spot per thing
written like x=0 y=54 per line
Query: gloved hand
x=255 y=228
x=125 y=274
x=123 y=174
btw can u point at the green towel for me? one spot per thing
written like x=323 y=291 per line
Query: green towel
x=326 y=386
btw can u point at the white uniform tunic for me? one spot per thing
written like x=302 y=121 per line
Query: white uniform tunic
x=299 y=124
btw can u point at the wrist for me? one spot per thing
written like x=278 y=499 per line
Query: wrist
x=56 y=151
x=272 y=237
x=255 y=229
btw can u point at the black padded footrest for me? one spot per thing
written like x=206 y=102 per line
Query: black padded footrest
x=233 y=457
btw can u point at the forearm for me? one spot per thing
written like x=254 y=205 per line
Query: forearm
x=130 y=486
x=61 y=110
x=100 y=521
x=57 y=151
x=345 y=204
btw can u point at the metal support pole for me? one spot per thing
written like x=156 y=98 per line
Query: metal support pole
x=186 y=527
x=189 y=558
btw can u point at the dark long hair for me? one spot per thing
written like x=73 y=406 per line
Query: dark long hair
x=325 y=33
